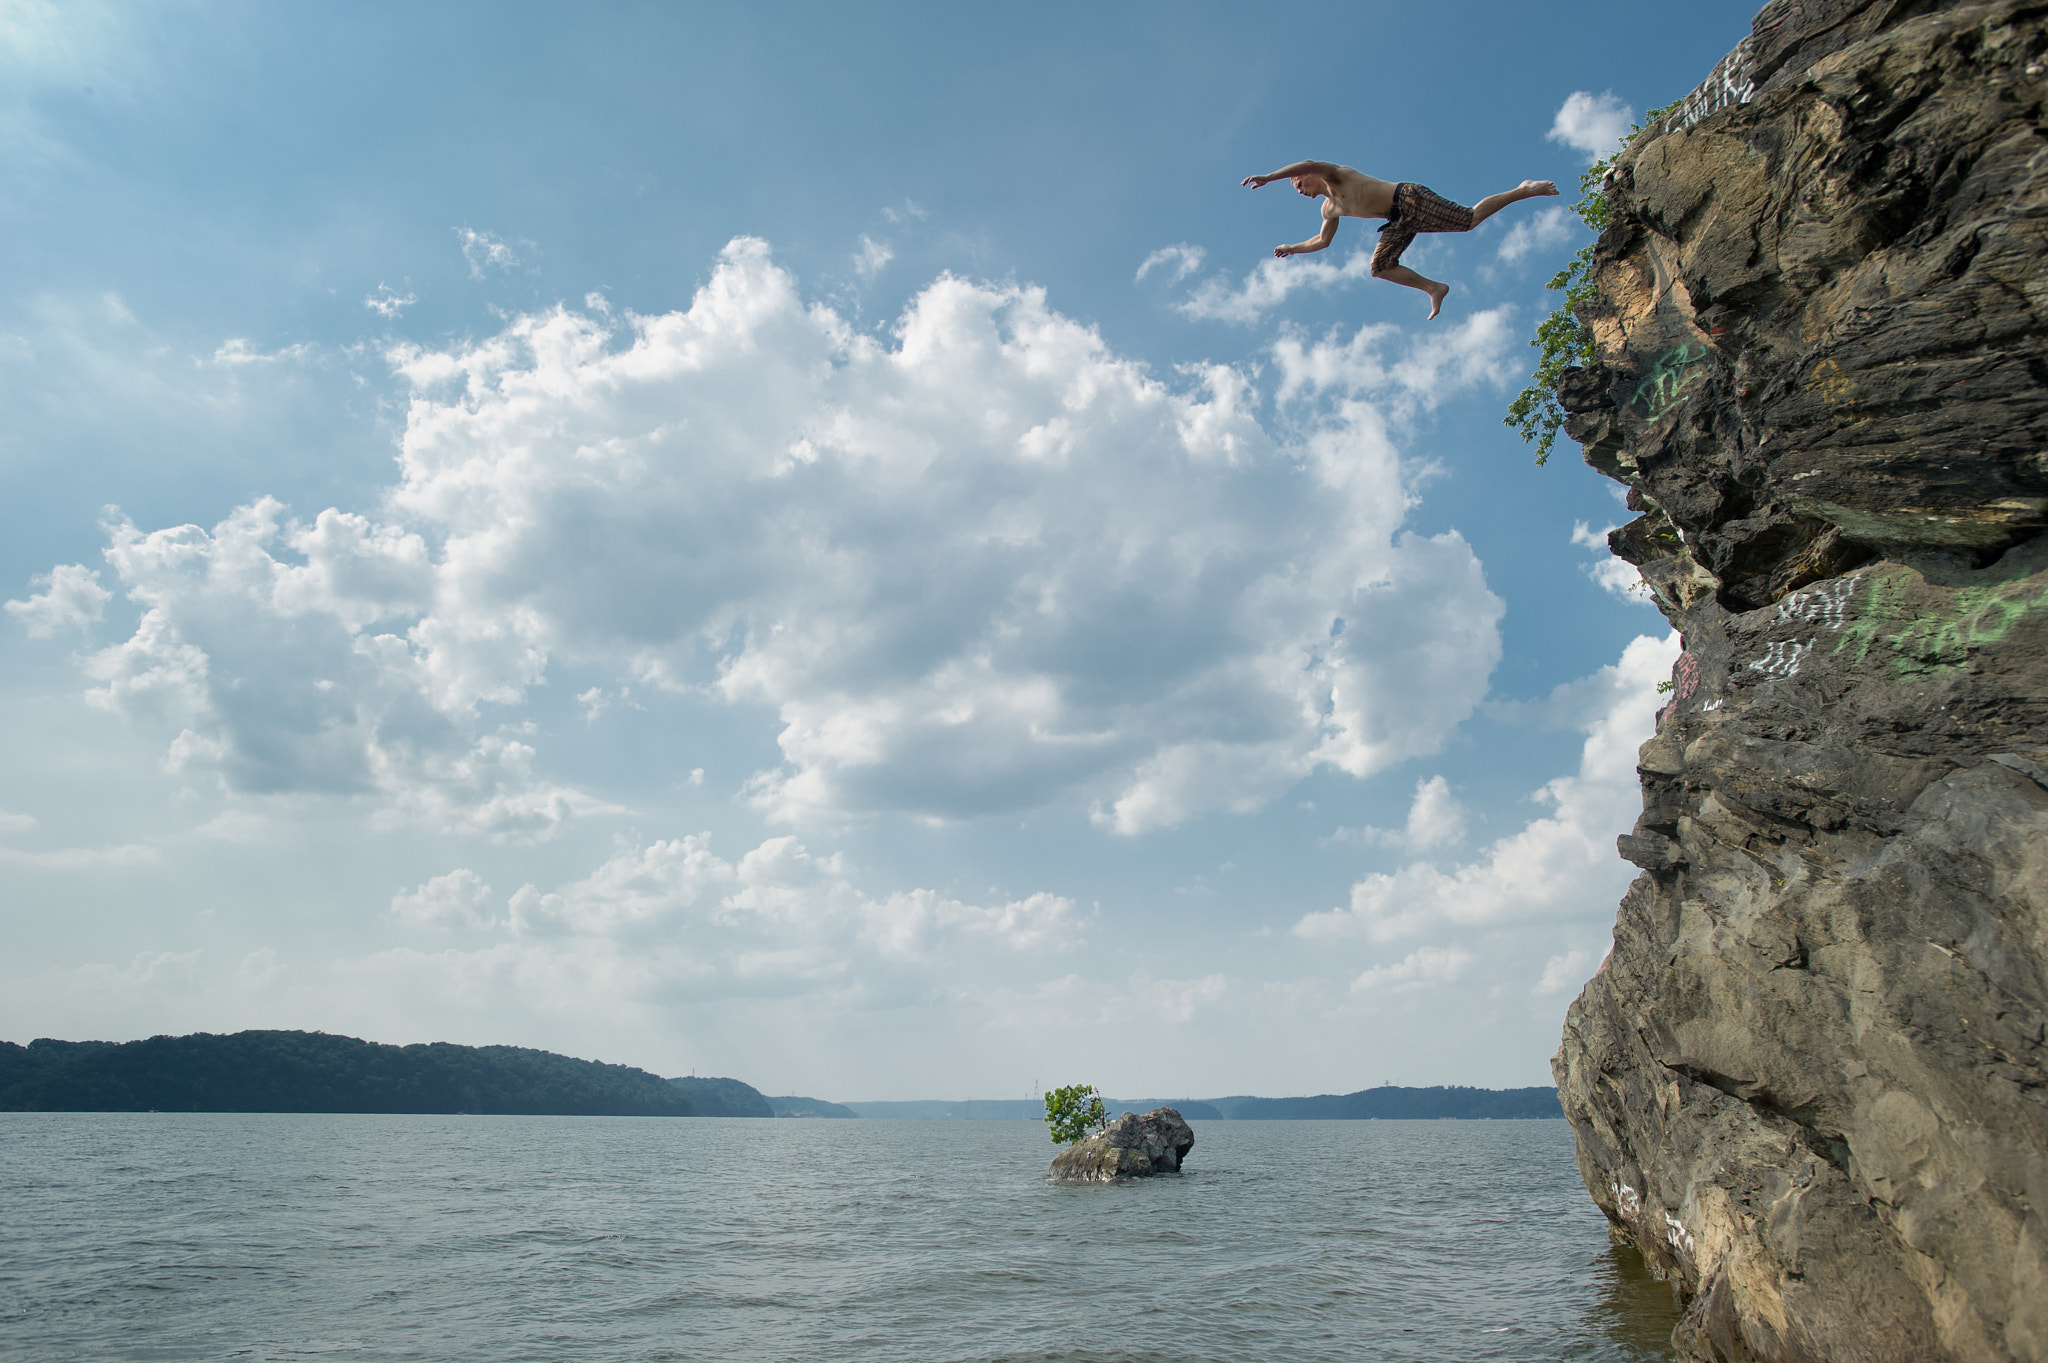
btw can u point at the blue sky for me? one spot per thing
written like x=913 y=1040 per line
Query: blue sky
x=810 y=543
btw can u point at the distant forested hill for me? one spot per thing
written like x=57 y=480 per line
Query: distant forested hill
x=724 y=1098
x=1395 y=1103
x=791 y=1105
x=314 y=1072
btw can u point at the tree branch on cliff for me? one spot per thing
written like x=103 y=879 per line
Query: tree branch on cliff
x=1562 y=340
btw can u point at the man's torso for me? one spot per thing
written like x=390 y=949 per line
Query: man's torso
x=1357 y=195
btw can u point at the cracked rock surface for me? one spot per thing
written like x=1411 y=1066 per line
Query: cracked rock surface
x=1129 y=1147
x=1811 y=1081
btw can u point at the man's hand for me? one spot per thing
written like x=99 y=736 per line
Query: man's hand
x=1255 y=181
x=1285 y=251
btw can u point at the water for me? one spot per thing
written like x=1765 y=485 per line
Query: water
x=145 y=1236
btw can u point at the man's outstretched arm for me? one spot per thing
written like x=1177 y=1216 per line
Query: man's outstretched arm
x=1324 y=169
x=1315 y=243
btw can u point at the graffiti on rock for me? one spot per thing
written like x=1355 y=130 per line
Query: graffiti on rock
x=1941 y=639
x=1824 y=605
x=1728 y=84
x=1831 y=383
x=1782 y=658
x=1686 y=675
x=1674 y=374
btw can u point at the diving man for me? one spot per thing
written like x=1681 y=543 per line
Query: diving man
x=1408 y=209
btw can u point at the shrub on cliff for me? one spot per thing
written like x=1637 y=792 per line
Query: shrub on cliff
x=1562 y=340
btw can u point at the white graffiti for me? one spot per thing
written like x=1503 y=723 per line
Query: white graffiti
x=1712 y=705
x=1729 y=84
x=1825 y=607
x=1627 y=1199
x=1678 y=1235
x=1782 y=659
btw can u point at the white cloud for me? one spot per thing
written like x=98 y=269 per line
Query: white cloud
x=1379 y=360
x=1612 y=574
x=16 y=823
x=1586 y=537
x=1422 y=967
x=388 y=302
x=485 y=252
x=984 y=567
x=871 y=256
x=1435 y=817
x=80 y=858
x=456 y=900
x=1561 y=864
x=778 y=907
x=1548 y=229
x=1270 y=282
x=1564 y=972
x=909 y=211
x=1593 y=124
x=260 y=969
x=72 y=599
x=237 y=352
x=1181 y=259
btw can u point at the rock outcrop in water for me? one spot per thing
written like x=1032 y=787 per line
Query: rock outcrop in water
x=1810 y=1082
x=1129 y=1147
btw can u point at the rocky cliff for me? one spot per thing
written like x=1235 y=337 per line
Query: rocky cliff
x=1809 y=1082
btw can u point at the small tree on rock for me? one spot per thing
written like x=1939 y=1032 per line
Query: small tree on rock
x=1073 y=1112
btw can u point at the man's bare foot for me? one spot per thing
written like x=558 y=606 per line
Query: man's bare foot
x=1538 y=189
x=1437 y=293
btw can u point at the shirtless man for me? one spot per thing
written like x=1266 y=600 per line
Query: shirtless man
x=1407 y=208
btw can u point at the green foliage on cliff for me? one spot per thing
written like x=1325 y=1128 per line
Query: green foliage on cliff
x=1074 y=1111
x=314 y=1072
x=1562 y=341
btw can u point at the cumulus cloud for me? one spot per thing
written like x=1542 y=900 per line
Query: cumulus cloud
x=1560 y=864
x=871 y=256
x=72 y=598
x=803 y=910
x=1403 y=374
x=1179 y=260
x=1546 y=230
x=1590 y=123
x=1270 y=282
x=458 y=899
x=1564 y=972
x=1435 y=817
x=1615 y=575
x=389 y=303
x=485 y=252
x=1421 y=967
x=977 y=566
x=910 y=210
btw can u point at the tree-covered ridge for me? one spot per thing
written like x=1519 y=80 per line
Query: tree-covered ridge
x=1390 y=1103
x=315 y=1072
x=723 y=1098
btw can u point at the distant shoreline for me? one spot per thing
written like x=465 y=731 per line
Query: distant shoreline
x=314 y=1072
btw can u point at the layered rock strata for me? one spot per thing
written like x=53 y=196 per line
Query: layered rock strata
x=1129 y=1147
x=1810 y=1083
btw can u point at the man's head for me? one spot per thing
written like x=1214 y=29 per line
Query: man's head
x=1314 y=186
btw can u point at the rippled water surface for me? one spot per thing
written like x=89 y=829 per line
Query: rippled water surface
x=134 y=1236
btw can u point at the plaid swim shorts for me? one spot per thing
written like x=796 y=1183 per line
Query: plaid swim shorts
x=1416 y=209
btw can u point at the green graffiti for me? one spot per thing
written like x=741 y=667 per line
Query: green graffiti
x=1975 y=617
x=1670 y=378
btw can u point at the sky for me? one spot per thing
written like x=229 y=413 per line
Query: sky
x=809 y=543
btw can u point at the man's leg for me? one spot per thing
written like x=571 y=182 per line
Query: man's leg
x=1401 y=274
x=1494 y=203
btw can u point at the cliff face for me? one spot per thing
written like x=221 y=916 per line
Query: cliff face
x=1810 y=1083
